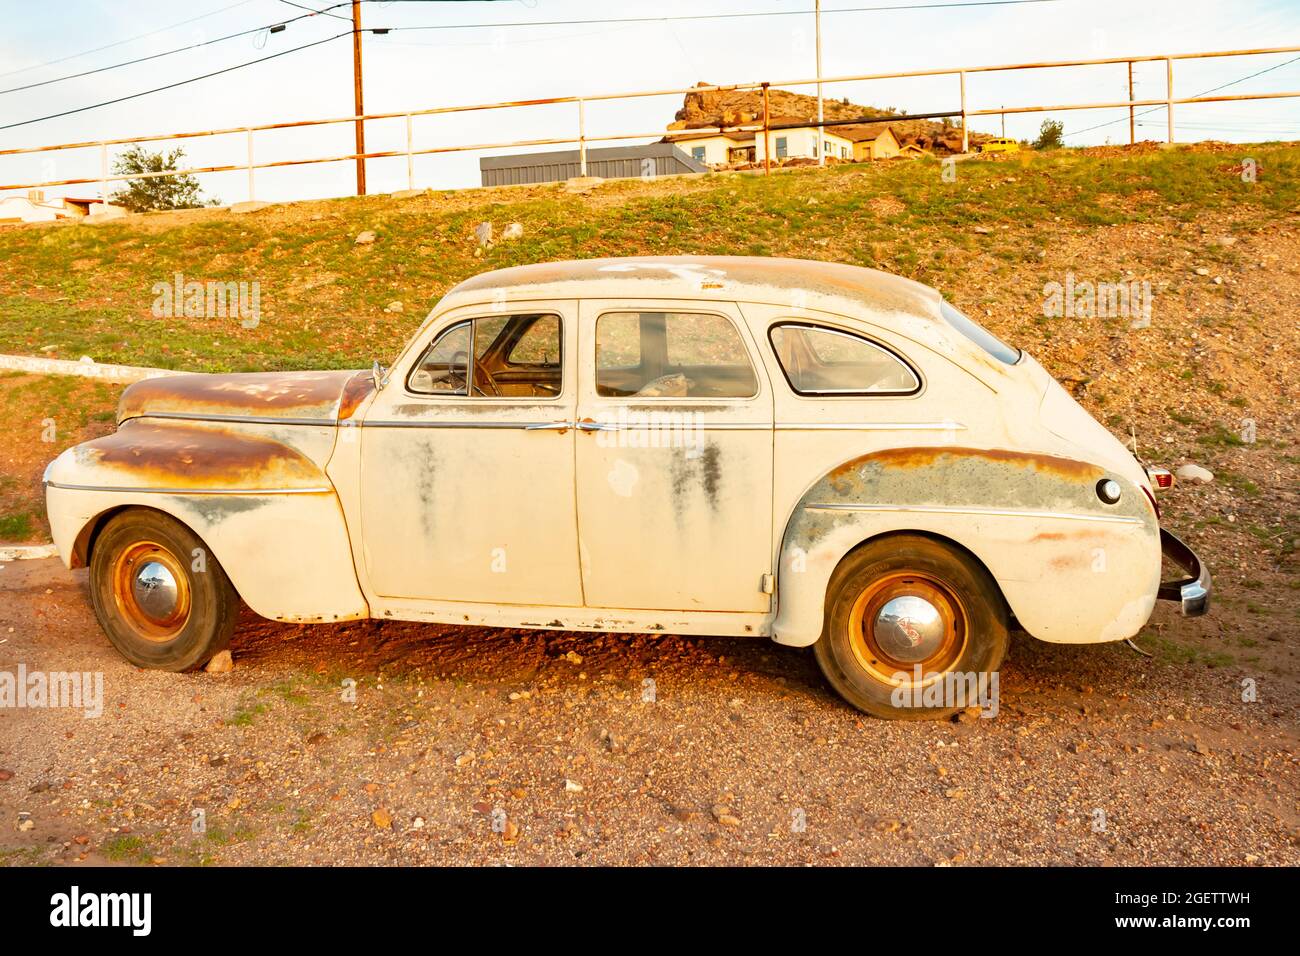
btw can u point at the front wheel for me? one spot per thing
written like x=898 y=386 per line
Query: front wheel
x=163 y=600
x=913 y=631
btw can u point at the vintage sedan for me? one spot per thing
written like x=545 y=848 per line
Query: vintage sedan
x=816 y=453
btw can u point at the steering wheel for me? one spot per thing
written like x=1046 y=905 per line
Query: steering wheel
x=481 y=372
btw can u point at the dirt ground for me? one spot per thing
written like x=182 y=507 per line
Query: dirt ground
x=479 y=746
x=470 y=746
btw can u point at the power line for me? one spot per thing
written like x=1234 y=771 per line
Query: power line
x=1156 y=109
x=156 y=56
x=171 y=86
x=323 y=11
x=109 y=46
x=711 y=16
x=311 y=12
x=450 y=26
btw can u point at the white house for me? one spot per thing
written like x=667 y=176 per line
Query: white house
x=716 y=149
x=804 y=142
x=34 y=207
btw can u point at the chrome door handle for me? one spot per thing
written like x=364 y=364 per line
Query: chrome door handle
x=587 y=425
x=549 y=427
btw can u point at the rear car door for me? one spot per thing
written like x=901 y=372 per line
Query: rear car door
x=673 y=458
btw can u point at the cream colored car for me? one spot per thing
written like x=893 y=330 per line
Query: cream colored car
x=816 y=453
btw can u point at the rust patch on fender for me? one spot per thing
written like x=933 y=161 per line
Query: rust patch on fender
x=913 y=458
x=355 y=392
x=185 y=456
x=272 y=394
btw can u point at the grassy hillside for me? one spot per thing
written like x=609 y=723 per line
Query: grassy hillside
x=1220 y=255
x=71 y=290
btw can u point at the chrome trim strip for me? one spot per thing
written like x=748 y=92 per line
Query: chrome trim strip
x=653 y=425
x=194 y=491
x=436 y=423
x=983 y=512
x=233 y=419
x=872 y=426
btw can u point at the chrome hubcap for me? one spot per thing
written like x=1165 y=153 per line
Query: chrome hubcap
x=909 y=628
x=155 y=591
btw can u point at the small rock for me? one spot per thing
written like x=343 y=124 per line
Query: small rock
x=513 y=231
x=1190 y=472
x=1226 y=241
x=382 y=819
x=394 y=307
x=467 y=758
x=221 y=663
x=982 y=230
x=510 y=833
x=1202 y=271
x=573 y=658
x=24 y=824
x=572 y=786
x=417 y=823
x=483 y=234
x=365 y=238
x=6 y=775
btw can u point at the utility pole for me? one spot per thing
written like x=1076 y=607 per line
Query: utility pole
x=1132 y=129
x=821 y=114
x=358 y=102
x=1004 y=122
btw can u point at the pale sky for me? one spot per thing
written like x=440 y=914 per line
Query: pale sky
x=417 y=69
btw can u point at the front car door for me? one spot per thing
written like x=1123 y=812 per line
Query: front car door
x=467 y=463
x=674 y=458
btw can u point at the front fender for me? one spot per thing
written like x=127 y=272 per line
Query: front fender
x=264 y=508
x=1072 y=569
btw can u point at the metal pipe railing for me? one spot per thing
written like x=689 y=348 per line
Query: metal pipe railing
x=582 y=139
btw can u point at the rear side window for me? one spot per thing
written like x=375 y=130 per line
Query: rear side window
x=671 y=355
x=979 y=335
x=818 y=360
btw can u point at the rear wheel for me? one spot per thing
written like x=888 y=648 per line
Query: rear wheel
x=160 y=596
x=904 y=612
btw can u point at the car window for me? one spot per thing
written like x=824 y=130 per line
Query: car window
x=671 y=355
x=443 y=370
x=513 y=356
x=979 y=335
x=818 y=360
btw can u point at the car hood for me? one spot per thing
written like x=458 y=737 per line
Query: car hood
x=288 y=397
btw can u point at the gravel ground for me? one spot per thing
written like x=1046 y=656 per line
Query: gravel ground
x=476 y=746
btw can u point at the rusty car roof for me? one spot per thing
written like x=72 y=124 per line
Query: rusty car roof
x=743 y=278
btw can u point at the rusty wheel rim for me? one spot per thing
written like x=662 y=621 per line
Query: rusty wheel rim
x=906 y=620
x=152 y=591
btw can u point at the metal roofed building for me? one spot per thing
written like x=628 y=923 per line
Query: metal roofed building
x=611 y=162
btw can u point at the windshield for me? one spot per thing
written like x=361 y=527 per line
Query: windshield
x=980 y=336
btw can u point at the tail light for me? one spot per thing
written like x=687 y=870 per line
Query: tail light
x=1160 y=479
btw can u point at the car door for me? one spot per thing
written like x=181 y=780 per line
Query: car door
x=674 y=458
x=467 y=463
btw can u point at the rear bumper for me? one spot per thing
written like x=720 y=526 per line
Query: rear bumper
x=1192 y=592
